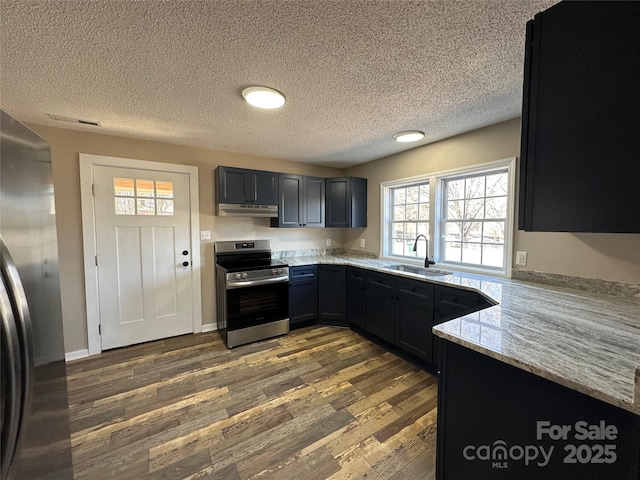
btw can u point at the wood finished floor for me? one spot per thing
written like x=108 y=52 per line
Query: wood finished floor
x=319 y=403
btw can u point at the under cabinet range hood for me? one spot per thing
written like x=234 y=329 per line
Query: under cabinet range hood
x=247 y=210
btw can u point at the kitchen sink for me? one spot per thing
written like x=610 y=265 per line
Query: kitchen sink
x=427 y=272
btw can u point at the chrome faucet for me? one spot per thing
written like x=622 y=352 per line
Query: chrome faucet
x=427 y=262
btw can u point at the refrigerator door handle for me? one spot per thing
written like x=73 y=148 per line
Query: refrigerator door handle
x=22 y=316
x=12 y=376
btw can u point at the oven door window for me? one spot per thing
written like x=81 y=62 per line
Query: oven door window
x=250 y=306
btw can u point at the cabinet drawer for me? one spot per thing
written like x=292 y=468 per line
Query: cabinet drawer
x=414 y=288
x=454 y=298
x=303 y=272
x=382 y=280
x=356 y=276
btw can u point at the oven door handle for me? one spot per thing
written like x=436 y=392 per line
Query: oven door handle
x=255 y=283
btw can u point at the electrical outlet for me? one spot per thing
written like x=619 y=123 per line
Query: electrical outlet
x=328 y=242
x=521 y=258
x=205 y=234
x=362 y=243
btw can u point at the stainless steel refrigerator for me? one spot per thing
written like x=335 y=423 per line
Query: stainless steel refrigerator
x=35 y=420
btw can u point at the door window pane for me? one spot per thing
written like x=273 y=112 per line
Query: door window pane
x=142 y=197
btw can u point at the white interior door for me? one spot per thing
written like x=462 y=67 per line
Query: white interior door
x=143 y=245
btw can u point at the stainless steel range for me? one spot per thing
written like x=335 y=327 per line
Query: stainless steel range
x=252 y=292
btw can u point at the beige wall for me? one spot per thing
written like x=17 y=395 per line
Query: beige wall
x=65 y=148
x=607 y=256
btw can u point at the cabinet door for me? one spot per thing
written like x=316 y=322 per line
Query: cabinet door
x=346 y=202
x=303 y=302
x=313 y=202
x=414 y=320
x=338 y=198
x=264 y=187
x=290 y=205
x=381 y=310
x=332 y=284
x=234 y=185
x=580 y=141
x=357 y=296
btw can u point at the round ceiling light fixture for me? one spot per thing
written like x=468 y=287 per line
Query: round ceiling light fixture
x=409 y=136
x=263 y=97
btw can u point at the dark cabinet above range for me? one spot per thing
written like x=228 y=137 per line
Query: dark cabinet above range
x=244 y=192
x=301 y=202
x=581 y=119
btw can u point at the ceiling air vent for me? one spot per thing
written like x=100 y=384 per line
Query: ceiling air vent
x=60 y=118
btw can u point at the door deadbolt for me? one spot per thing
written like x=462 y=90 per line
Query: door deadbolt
x=185 y=252
x=185 y=264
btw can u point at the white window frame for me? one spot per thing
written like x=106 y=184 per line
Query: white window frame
x=436 y=203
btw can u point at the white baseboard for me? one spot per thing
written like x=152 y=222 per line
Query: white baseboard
x=209 y=327
x=76 y=355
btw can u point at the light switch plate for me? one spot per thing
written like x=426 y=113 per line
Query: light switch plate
x=205 y=234
x=521 y=258
x=362 y=243
x=328 y=242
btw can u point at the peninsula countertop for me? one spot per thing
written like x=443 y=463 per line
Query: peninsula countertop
x=585 y=341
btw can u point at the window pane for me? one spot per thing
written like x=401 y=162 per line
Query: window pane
x=474 y=187
x=410 y=231
x=455 y=189
x=474 y=209
x=455 y=210
x=399 y=195
x=423 y=213
x=145 y=188
x=397 y=246
x=497 y=184
x=413 y=194
x=164 y=189
x=146 y=206
x=412 y=212
x=165 y=207
x=453 y=231
x=493 y=255
x=398 y=212
x=125 y=206
x=471 y=253
x=471 y=232
x=397 y=230
x=493 y=232
x=123 y=187
x=424 y=193
x=423 y=228
x=496 y=207
x=452 y=252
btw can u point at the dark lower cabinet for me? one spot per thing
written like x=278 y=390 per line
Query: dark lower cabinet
x=332 y=288
x=381 y=306
x=496 y=420
x=413 y=323
x=303 y=295
x=357 y=296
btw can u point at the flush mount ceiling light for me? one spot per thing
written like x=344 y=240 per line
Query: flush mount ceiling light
x=409 y=136
x=263 y=97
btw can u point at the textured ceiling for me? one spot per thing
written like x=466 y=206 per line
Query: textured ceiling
x=354 y=72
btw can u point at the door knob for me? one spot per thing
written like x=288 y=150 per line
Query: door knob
x=185 y=252
x=185 y=264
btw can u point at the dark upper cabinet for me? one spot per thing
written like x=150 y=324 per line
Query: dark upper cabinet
x=243 y=186
x=301 y=202
x=346 y=202
x=332 y=290
x=580 y=145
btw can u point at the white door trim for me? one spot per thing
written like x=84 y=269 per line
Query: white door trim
x=87 y=162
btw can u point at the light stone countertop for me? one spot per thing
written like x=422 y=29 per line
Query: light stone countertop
x=589 y=342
